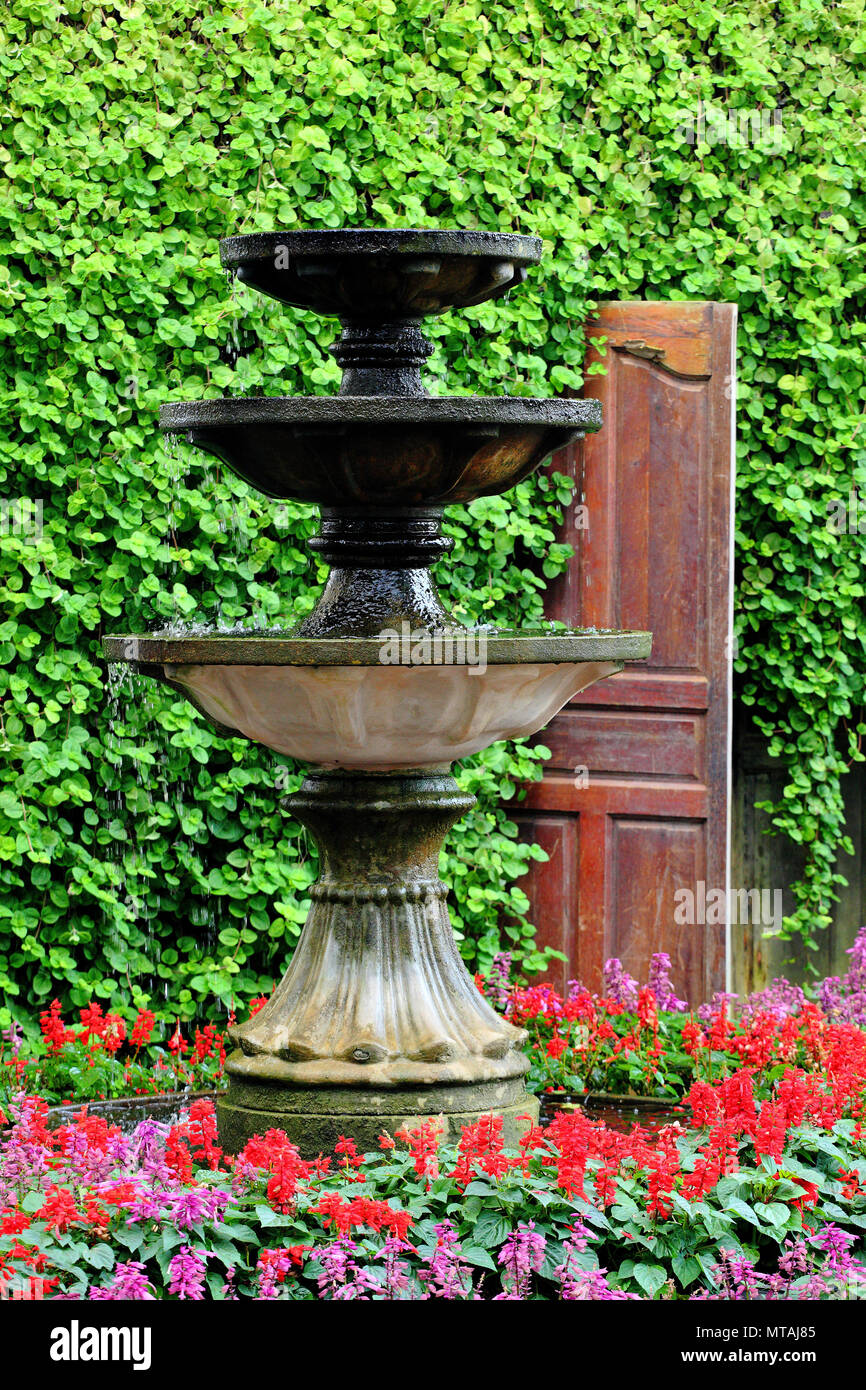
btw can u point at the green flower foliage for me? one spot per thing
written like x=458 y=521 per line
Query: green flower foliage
x=139 y=845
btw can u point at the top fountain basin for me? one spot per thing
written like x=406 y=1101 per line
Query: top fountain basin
x=379 y=275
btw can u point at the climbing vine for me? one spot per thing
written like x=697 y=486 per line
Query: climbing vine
x=142 y=850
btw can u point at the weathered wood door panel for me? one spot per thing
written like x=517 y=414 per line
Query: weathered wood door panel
x=634 y=802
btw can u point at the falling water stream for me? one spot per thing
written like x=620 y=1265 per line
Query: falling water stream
x=133 y=700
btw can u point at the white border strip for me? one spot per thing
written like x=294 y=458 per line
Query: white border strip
x=732 y=380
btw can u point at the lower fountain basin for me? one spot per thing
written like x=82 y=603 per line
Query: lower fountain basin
x=383 y=718
x=382 y=704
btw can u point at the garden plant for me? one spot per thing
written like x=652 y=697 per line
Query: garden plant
x=756 y=1190
x=140 y=848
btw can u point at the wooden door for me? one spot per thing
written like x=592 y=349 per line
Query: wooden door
x=634 y=802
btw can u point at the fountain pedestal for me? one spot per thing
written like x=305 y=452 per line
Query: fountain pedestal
x=377 y=1022
x=316 y=1118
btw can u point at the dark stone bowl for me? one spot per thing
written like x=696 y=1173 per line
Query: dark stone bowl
x=381 y=450
x=381 y=275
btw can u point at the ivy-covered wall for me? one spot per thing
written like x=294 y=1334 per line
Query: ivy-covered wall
x=136 y=842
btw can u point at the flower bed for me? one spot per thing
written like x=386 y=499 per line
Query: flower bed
x=104 y=1059
x=753 y=1201
x=643 y=1042
x=760 y=1192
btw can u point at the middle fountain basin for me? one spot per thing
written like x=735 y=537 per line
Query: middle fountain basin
x=382 y=451
x=383 y=704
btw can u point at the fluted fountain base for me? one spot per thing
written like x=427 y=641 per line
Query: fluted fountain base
x=314 y=1118
x=377 y=1021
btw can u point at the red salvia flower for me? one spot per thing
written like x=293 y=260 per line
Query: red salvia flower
x=738 y=1100
x=349 y=1158
x=423 y=1144
x=177 y=1154
x=532 y=1137
x=647 y=1009
x=481 y=1146
x=810 y=1194
x=717 y=1158
x=279 y=1262
x=704 y=1101
x=114 y=1033
x=263 y=1150
x=207 y=1042
x=604 y=1182
x=93 y=1024
x=792 y=1093
x=287 y=1171
x=771 y=1131
x=851 y=1181
x=757 y=1044
x=570 y=1137
x=693 y=1038
x=626 y=1044
x=720 y=1028
x=53 y=1029
x=96 y=1216
x=664 y=1168
x=142 y=1029
x=59 y=1211
x=344 y=1215
x=12 y=1223
x=202 y=1131
x=121 y=1194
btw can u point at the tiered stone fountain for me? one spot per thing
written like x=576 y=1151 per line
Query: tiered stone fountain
x=377 y=1022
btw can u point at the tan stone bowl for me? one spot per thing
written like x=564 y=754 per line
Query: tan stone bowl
x=381 y=705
